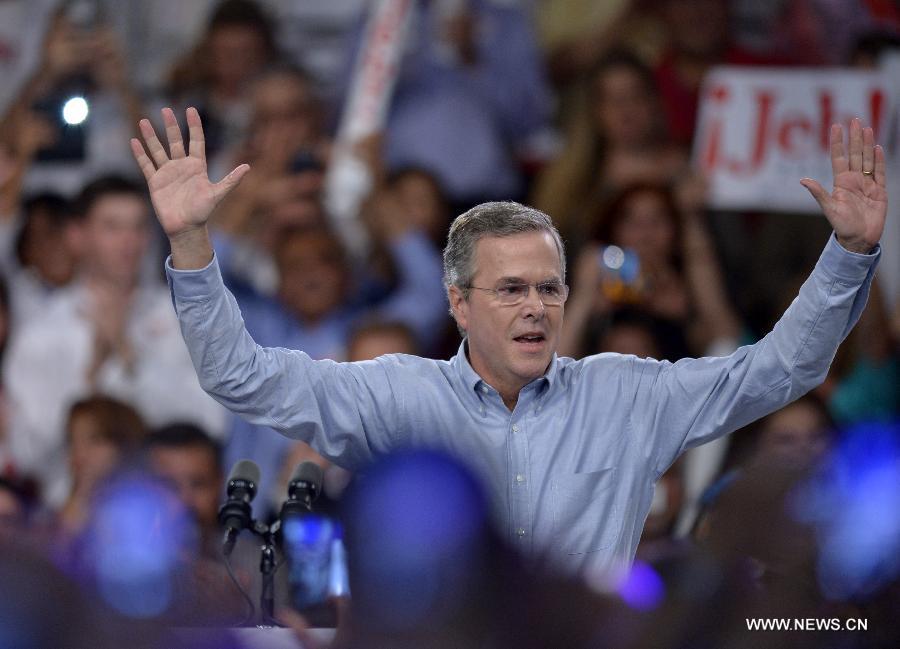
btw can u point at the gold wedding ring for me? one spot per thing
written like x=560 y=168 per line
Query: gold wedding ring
x=868 y=173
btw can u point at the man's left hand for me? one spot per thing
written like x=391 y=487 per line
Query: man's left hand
x=857 y=206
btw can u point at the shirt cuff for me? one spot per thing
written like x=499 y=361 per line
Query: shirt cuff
x=847 y=266
x=195 y=284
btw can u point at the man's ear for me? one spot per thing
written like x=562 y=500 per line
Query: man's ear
x=459 y=306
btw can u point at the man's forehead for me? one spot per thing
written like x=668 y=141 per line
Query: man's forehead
x=527 y=256
x=117 y=208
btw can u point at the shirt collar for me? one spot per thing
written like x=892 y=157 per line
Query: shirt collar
x=473 y=381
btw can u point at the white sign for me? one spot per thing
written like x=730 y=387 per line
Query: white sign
x=761 y=130
x=348 y=180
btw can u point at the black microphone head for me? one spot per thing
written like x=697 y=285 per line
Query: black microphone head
x=307 y=476
x=245 y=474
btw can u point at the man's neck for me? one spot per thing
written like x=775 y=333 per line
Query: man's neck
x=510 y=401
x=98 y=282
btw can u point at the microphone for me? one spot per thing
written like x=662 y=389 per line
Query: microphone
x=303 y=489
x=235 y=514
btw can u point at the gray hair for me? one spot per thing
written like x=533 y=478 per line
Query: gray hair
x=497 y=219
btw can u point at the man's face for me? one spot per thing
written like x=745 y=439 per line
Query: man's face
x=91 y=456
x=797 y=433
x=117 y=236
x=48 y=249
x=312 y=275
x=623 y=109
x=647 y=228
x=284 y=111
x=509 y=346
x=195 y=476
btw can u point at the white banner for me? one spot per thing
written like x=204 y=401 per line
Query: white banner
x=761 y=130
x=348 y=179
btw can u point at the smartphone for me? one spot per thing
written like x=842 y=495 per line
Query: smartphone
x=621 y=269
x=317 y=566
x=70 y=143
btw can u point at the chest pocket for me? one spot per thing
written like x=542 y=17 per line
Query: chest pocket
x=585 y=516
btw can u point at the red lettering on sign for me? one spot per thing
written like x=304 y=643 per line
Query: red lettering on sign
x=786 y=138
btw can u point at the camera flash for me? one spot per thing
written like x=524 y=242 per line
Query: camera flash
x=75 y=111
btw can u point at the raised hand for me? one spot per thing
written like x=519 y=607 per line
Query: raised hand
x=857 y=206
x=180 y=189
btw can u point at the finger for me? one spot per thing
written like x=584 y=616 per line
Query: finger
x=818 y=192
x=173 y=134
x=229 y=182
x=197 y=144
x=146 y=165
x=838 y=157
x=868 y=152
x=880 y=167
x=157 y=152
x=856 y=145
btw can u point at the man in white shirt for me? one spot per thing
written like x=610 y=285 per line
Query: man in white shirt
x=107 y=333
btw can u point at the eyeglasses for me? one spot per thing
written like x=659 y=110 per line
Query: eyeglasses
x=549 y=293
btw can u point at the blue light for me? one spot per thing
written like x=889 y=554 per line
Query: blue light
x=137 y=534
x=855 y=510
x=642 y=589
x=420 y=517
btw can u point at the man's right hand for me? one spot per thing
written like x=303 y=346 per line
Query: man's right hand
x=180 y=189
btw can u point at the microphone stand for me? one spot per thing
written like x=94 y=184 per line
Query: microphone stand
x=267 y=568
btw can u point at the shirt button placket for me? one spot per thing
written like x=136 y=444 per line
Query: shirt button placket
x=519 y=457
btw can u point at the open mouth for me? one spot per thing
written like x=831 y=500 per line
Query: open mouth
x=530 y=340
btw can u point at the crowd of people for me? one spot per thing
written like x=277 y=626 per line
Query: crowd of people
x=585 y=110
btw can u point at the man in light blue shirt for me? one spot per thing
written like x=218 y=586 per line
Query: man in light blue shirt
x=568 y=450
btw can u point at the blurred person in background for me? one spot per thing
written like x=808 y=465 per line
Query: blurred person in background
x=574 y=34
x=470 y=92
x=679 y=282
x=107 y=332
x=616 y=138
x=102 y=435
x=699 y=36
x=189 y=462
x=424 y=202
x=42 y=253
x=82 y=56
x=800 y=434
x=22 y=27
x=375 y=338
x=216 y=74
x=314 y=36
x=288 y=148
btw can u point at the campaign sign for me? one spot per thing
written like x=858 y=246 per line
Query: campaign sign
x=761 y=130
